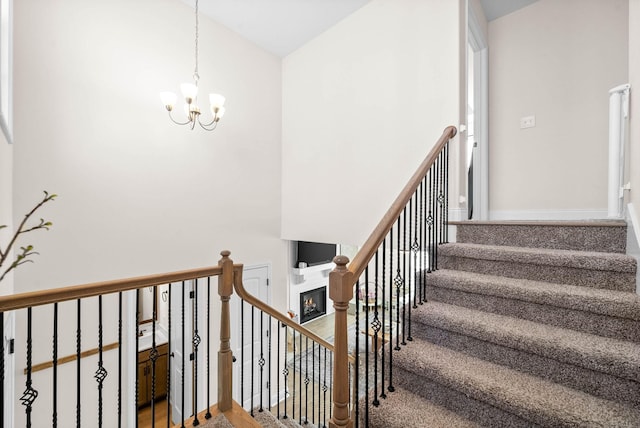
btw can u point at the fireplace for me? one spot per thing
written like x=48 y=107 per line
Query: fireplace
x=313 y=303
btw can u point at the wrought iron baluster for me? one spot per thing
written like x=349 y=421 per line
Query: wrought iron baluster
x=421 y=244
x=357 y=356
x=324 y=383
x=278 y=375
x=285 y=370
x=430 y=219
x=169 y=286
x=153 y=356
x=405 y=247
x=30 y=394
x=425 y=240
x=120 y=359
x=366 y=347
x=78 y=365
x=269 y=365
x=261 y=361
x=415 y=247
x=195 y=343
x=137 y=345
x=330 y=395
x=410 y=275
x=306 y=380
x=390 y=388
x=54 y=416
x=253 y=358
x=384 y=311
x=375 y=327
x=2 y=368
x=398 y=282
x=183 y=349
x=242 y=353
x=441 y=197
x=300 y=380
x=208 y=414
x=101 y=372
x=293 y=397
x=446 y=188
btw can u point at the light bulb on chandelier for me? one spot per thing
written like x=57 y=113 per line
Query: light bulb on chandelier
x=190 y=94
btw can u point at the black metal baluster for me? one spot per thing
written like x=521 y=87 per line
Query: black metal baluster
x=441 y=197
x=446 y=188
x=137 y=383
x=269 y=365
x=293 y=397
x=384 y=311
x=405 y=250
x=415 y=247
x=431 y=220
x=120 y=359
x=278 y=374
x=324 y=383
x=306 y=380
x=253 y=358
x=425 y=240
x=300 y=380
x=78 y=365
x=153 y=356
x=183 y=348
x=208 y=414
x=390 y=388
x=285 y=370
x=261 y=361
x=242 y=353
x=330 y=395
x=375 y=327
x=410 y=275
x=437 y=214
x=101 y=372
x=2 y=369
x=419 y=233
x=196 y=343
x=30 y=394
x=169 y=422
x=357 y=355
x=54 y=416
x=398 y=282
x=317 y=380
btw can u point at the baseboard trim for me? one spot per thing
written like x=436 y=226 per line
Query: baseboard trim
x=549 y=215
x=633 y=239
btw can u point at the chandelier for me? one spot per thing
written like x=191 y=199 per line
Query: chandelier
x=190 y=94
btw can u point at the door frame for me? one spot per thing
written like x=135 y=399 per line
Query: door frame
x=476 y=39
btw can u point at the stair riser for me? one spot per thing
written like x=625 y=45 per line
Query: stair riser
x=593 y=382
x=602 y=325
x=477 y=411
x=620 y=281
x=608 y=239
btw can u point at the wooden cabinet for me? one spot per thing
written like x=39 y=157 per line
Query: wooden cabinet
x=145 y=375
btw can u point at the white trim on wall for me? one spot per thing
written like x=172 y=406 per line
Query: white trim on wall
x=633 y=239
x=549 y=214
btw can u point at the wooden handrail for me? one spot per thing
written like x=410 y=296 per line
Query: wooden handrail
x=43 y=297
x=285 y=319
x=368 y=250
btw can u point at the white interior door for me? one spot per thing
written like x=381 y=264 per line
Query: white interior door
x=477 y=121
x=180 y=352
x=251 y=345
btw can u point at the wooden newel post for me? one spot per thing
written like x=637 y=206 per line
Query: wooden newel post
x=341 y=292
x=225 y=356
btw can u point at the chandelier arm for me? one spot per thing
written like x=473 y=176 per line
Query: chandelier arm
x=206 y=126
x=176 y=122
x=209 y=123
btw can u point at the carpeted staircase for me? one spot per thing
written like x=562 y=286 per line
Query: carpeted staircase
x=526 y=325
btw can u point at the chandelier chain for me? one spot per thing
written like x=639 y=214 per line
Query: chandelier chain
x=196 y=76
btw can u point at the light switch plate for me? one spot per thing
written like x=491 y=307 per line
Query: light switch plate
x=527 y=122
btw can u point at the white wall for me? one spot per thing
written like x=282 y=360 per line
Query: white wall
x=138 y=194
x=634 y=79
x=6 y=180
x=362 y=105
x=557 y=61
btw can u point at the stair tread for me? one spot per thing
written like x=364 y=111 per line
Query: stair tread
x=560 y=223
x=527 y=396
x=542 y=256
x=622 y=304
x=617 y=357
x=404 y=408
